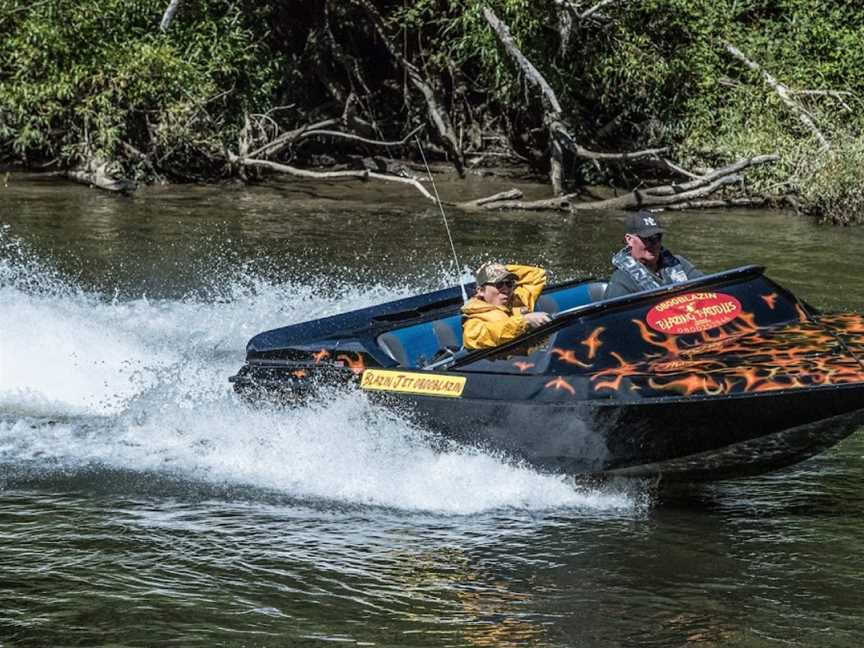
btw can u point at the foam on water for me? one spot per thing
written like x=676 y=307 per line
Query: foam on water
x=141 y=385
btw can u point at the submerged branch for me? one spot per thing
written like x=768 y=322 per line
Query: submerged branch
x=360 y=174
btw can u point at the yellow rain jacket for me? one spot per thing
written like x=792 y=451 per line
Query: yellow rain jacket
x=485 y=325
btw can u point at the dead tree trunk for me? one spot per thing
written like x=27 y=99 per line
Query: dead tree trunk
x=436 y=110
x=559 y=136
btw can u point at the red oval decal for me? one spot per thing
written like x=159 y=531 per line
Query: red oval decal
x=693 y=312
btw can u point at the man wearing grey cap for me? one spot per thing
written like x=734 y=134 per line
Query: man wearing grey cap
x=501 y=309
x=645 y=264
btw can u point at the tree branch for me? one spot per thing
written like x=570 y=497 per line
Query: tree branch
x=666 y=195
x=362 y=174
x=168 y=16
x=358 y=138
x=558 y=134
x=437 y=112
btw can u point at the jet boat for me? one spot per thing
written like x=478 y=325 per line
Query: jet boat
x=724 y=376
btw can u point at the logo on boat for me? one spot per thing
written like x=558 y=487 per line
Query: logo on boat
x=426 y=384
x=693 y=312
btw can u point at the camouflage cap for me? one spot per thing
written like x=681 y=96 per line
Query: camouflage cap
x=490 y=273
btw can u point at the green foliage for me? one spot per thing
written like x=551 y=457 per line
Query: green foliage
x=82 y=78
x=833 y=186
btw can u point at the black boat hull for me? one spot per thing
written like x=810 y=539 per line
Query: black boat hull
x=725 y=376
x=687 y=439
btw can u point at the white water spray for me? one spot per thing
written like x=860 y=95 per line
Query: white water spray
x=141 y=385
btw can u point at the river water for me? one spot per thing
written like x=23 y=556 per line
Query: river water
x=141 y=503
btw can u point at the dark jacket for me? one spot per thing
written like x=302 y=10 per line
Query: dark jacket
x=630 y=276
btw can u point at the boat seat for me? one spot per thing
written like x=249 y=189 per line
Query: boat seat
x=567 y=298
x=393 y=347
x=547 y=304
x=411 y=346
x=446 y=332
x=418 y=345
x=597 y=290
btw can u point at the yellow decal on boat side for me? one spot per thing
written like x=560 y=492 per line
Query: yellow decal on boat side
x=413 y=383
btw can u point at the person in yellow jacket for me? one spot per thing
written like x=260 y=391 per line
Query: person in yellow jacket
x=501 y=309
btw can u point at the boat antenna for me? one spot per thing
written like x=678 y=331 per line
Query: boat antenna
x=444 y=216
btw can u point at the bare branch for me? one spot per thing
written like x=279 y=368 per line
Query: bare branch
x=830 y=93
x=662 y=196
x=561 y=132
x=469 y=205
x=289 y=137
x=362 y=174
x=669 y=165
x=576 y=11
x=758 y=201
x=358 y=138
x=708 y=178
x=531 y=73
x=834 y=94
x=437 y=112
x=168 y=16
x=595 y=9
x=559 y=136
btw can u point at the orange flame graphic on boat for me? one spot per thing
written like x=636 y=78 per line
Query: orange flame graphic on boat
x=568 y=356
x=798 y=355
x=356 y=364
x=771 y=300
x=593 y=341
x=560 y=383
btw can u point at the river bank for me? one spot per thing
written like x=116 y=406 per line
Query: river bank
x=703 y=103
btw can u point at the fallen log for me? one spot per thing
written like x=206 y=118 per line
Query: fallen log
x=359 y=174
x=759 y=201
x=97 y=174
x=693 y=193
x=469 y=205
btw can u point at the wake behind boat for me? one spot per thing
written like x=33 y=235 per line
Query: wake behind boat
x=724 y=376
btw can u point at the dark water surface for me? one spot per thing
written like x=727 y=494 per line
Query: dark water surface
x=142 y=504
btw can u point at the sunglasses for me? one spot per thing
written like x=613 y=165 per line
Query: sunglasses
x=651 y=240
x=501 y=284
